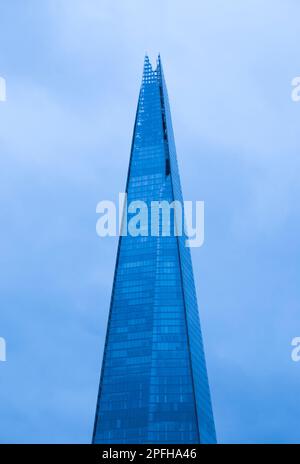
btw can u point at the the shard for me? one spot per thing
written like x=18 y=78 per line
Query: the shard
x=154 y=387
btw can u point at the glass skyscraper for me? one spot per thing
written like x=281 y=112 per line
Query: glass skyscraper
x=154 y=386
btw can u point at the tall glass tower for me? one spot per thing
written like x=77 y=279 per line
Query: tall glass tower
x=154 y=386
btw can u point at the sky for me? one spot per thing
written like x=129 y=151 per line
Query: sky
x=73 y=71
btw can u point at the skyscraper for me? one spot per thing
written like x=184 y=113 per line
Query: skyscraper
x=154 y=386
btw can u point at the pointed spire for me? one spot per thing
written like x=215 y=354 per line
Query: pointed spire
x=147 y=66
x=159 y=70
x=148 y=73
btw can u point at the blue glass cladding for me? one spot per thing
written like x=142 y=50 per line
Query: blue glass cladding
x=153 y=386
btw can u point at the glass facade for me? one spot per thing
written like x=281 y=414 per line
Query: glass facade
x=153 y=387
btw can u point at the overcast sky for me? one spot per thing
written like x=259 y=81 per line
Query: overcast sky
x=73 y=70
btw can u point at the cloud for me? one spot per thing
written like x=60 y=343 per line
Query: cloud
x=73 y=71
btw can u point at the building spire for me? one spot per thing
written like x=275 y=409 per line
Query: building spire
x=148 y=73
x=153 y=385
